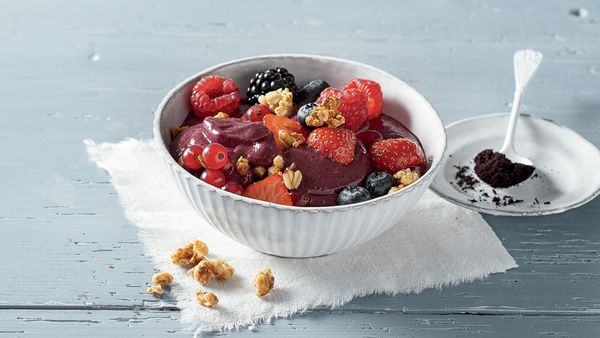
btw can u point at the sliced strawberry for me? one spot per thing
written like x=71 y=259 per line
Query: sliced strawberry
x=393 y=155
x=373 y=92
x=276 y=123
x=270 y=189
x=335 y=143
x=353 y=105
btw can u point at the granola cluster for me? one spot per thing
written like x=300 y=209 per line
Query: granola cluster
x=280 y=101
x=190 y=255
x=326 y=113
x=404 y=178
x=207 y=299
x=222 y=115
x=277 y=167
x=159 y=281
x=242 y=166
x=290 y=139
x=263 y=282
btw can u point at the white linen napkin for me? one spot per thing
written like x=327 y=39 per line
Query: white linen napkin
x=438 y=244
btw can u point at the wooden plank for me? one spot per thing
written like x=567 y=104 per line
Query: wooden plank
x=21 y=323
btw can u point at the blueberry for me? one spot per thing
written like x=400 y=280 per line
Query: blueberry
x=353 y=194
x=379 y=183
x=311 y=91
x=304 y=112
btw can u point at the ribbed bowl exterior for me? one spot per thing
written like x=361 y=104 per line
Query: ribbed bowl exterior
x=294 y=231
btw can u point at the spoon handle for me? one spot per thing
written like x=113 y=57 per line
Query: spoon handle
x=526 y=62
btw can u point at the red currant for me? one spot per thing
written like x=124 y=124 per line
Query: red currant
x=233 y=187
x=257 y=112
x=190 y=158
x=215 y=156
x=213 y=177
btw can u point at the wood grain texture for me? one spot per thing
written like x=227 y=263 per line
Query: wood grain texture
x=98 y=69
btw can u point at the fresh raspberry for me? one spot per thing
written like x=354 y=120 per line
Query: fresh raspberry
x=393 y=155
x=276 y=123
x=353 y=105
x=270 y=189
x=335 y=143
x=214 y=94
x=373 y=92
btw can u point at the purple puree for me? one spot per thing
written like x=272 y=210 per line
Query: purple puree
x=242 y=138
x=322 y=178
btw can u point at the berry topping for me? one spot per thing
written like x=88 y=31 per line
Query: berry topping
x=304 y=112
x=353 y=194
x=213 y=177
x=393 y=155
x=368 y=137
x=279 y=125
x=215 y=156
x=353 y=106
x=233 y=187
x=191 y=158
x=271 y=189
x=214 y=94
x=335 y=143
x=379 y=183
x=268 y=81
x=310 y=92
x=373 y=92
x=257 y=112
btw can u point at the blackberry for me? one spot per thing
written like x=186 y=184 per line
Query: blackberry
x=270 y=80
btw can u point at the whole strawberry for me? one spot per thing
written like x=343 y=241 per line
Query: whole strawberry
x=353 y=105
x=337 y=144
x=373 y=92
x=393 y=155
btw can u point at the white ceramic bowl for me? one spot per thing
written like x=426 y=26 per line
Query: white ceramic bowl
x=309 y=231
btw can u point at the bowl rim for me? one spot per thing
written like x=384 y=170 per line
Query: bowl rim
x=161 y=143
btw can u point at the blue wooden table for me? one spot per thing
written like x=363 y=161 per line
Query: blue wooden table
x=73 y=70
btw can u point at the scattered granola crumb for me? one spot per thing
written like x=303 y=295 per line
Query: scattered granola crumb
x=263 y=282
x=162 y=278
x=110 y=266
x=280 y=101
x=273 y=170
x=221 y=269
x=259 y=171
x=290 y=139
x=393 y=190
x=207 y=299
x=279 y=162
x=242 y=166
x=222 y=115
x=156 y=290
x=202 y=272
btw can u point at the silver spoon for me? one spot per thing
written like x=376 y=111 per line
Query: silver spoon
x=526 y=62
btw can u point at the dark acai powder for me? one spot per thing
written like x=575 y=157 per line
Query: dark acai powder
x=498 y=171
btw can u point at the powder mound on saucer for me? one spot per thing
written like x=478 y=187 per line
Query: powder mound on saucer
x=498 y=171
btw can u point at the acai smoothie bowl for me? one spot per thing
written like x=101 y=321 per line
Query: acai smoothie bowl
x=299 y=155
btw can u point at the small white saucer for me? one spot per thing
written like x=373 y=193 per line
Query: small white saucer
x=567 y=171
